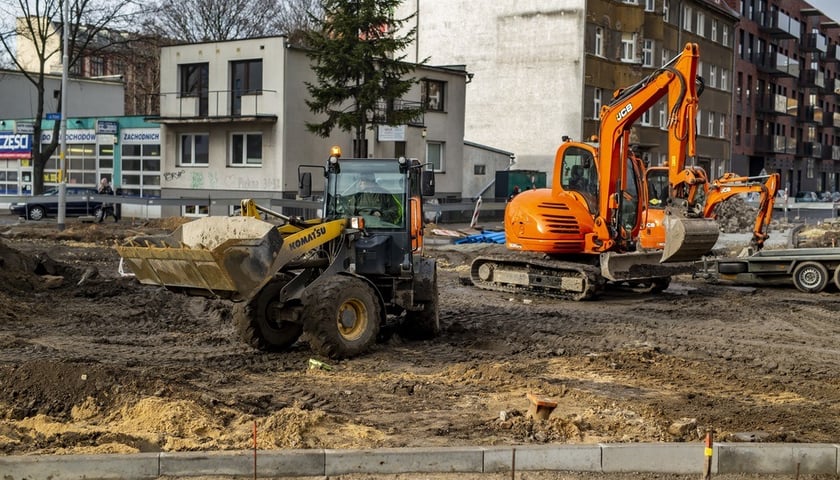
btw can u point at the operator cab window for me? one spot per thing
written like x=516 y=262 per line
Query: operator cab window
x=580 y=174
x=375 y=192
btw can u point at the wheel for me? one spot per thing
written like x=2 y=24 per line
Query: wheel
x=810 y=277
x=37 y=212
x=837 y=277
x=342 y=316
x=423 y=324
x=261 y=324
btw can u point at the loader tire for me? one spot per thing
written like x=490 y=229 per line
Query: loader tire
x=423 y=324
x=258 y=326
x=342 y=316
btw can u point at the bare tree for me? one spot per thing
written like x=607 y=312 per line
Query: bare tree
x=218 y=20
x=91 y=25
x=296 y=17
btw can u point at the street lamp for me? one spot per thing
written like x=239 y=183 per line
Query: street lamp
x=62 y=167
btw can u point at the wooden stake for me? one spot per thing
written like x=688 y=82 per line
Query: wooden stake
x=255 y=450
x=707 y=467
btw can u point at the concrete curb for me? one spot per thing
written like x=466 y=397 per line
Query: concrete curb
x=673 y=458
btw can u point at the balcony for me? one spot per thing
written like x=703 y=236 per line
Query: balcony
x=778 y=24
x=832 y=120
x=833 y=54
x=777 y=64
x=775 y=144
x=810 y=114
x=385 y=113
x=809 y=149
x=775 y=104
x=220 y=106
x=812 y=79
x=814 y=42
x=832 y=86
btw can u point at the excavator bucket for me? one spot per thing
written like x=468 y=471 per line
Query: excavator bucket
x=222 y=256
x=687 y=239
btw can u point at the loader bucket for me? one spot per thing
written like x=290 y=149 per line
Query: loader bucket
x=688 y=239
x=222 y=256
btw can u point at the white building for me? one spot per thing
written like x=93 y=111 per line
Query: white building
x=233 y=123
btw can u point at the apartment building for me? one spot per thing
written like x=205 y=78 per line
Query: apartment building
x=787 y=93
x=233 y=123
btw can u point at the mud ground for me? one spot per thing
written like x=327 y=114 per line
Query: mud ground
x=92 y=362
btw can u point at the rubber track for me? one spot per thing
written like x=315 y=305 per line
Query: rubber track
x=593 y=281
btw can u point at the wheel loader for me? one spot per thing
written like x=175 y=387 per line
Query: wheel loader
x=336 y=279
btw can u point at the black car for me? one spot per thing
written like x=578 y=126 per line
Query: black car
x=79 y=203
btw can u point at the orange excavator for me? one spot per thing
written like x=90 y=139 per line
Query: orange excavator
x=718 y=191
x=572 y=239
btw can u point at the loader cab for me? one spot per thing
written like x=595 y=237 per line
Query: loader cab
x=579 y=173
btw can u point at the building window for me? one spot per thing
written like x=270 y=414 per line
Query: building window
x=725 y=32
x=431 y=93
x=699 y=122
x=596 y=103
x=646 y=118
x=714 y=29
x=97 y=66
x=141 y=169
x=628 y=47
x=194 y=79
x=666 y=57
x=713 y=76
x=687 y=18
x=724 y=79
x=722 y=131
x=666 y=15
x=631 y=2
x=650 y=5
x=599 y=41
x=246 y=149
x=434 y=156
x=647 y=53
x=663 y=116
x=701 y=24
x=195 y=149
x=246 y=78
x=809 y=168
x=711 y=131
x=479 y=169
x=195 y=211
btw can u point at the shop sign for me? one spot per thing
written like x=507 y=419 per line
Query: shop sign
x=14 y=145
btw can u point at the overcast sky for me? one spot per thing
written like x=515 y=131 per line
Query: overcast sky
x=831 y=8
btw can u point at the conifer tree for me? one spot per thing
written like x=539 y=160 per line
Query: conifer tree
x=361 y=80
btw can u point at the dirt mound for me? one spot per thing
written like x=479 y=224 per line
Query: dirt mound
x=824 y=235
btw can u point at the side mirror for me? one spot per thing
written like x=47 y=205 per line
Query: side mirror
x=305 y=185
x=427 y=183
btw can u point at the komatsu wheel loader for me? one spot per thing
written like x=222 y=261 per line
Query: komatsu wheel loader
x=572 y=239
x=335 y=278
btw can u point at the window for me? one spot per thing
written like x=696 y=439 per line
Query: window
x=479 y=169
x=714 y=29
x=713 y=76
x=246 y=149
x=650 y=5
x=666 y=16
x=647 y=53
x=195 y=149
x=711 y=131
x=701 y=24
x=725 y=32
x=663 y=116
x=599 y=41
x=596 y=104
x=666 y=57
x=646 y=118
x=194 y=79
x=687 y=18
x=628 y=47
x=699 y=122
x=724 y=79
x=141 y=169
x=809 y=168
x=195 y=210
x=246 y=78
x=97 y=66
x=631 y=2
x=434 y=156
x=722 y=131
x=432 y=94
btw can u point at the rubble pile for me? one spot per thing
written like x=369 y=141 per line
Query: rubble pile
x=736 y=216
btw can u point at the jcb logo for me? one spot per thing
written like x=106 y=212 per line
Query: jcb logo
x=623 y=112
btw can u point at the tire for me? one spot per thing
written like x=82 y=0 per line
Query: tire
x=837 y=277
x=37 y=212
x=810 y=277
x=342 y=316
x=424 y=324
x=258 y=326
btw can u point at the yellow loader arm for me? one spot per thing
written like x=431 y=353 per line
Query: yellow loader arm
x=231 y=257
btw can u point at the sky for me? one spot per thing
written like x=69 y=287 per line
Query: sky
x=831 y=8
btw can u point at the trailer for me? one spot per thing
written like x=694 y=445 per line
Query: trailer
x=809 y=269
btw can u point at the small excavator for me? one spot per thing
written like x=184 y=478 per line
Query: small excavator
x=571 y=240
x=652 y=237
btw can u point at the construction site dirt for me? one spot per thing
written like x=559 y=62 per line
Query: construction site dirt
x=93 y=362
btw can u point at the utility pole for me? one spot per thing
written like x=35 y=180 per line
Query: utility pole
x=62 y=167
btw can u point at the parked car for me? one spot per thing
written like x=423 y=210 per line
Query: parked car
x=806 y=197
x=79 y=203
